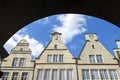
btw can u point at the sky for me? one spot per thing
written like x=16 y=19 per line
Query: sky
x=73 y=28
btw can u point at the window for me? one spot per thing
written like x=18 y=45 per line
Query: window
x=5 y=76
x=54 y=74
x=49 y=58
x=47 y=74
x=24 y=76
x=55 y=58
x=94 y=74
x=62 y=74
x=85 y=74
x=40 y=74
x=104 y=75
x=14 y=75
x=14 y=63
x=69 y=74
x=92 y=58
x=99 y=58
x=55 y=46
x=93 y=46
x=22 y=61
x=113 y=74
x=60 y=58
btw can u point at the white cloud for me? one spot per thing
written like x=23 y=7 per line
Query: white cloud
x=70 y=26
x=35 y=46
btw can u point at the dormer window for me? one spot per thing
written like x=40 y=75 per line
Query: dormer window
x=93 y=47
x=55 y=46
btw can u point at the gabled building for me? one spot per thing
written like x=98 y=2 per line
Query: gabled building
x=96 y=62
x=18 y=65
x=55 y=62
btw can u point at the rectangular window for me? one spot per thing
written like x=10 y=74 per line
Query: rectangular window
x=94 y=74
x=55 y=46
x=40 y=71
x=5 y=76
x=49 y=58
x=92 y=58
x=60 y=58
x=22 y=61
x=55 y=57
x=14 y=75
x=24 y=76
x=14 y=63
x=104 y=75
x=54 y=74
x=113 y=74
x=62 y=74
x=47 y=74
x=85 y=74
x=69 y=74
x=99 y=58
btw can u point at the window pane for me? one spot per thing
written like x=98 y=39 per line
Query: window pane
x=22 y=60
x=47 y=74
x=92 y=58
x=69 y=74
x=60 y=58
x=55 y=46
x=5 y=76
x=85 y=74
x=14 y=75
x=55 y=58
x=94 y=74
x=104 y=75
x=49 y=58
x=54 y=74
x=62 y=74
x=40 y=74
x=15 y=62
x=113 y=74
x=24 y=76
x=99 y=58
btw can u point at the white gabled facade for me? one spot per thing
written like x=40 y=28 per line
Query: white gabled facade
x=56 y=62
x=55 y=57
x=96 y=61
x=19 y=63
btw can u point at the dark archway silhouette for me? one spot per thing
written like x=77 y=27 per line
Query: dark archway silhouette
x=15 y=14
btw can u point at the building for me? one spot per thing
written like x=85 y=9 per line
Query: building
x=55 y=62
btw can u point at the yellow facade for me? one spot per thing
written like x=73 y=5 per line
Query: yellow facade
x=56 y=62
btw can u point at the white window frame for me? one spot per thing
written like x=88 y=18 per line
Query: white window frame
x=15 y=61
x=47 y=74
x=14 y=76
x=54 y=74
x=69 y=74
x=22 y=62
x=24 y=76
x=55 y=58
x=103 y=74
x=94 y=74
x=85 y=74
x=113 y=74
x=62 y=74
x=5 y=76
x=92 y=58
x=99 y=58
x=40 y=73
x=49 y=58
x=61 y=57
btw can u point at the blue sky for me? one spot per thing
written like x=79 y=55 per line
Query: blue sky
x=73 y=28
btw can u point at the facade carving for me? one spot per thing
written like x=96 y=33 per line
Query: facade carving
x=56 y=62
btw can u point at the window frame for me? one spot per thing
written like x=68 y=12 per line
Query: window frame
x=5 y=76
x=14 y=62
x=22 y=63
x=85 y=74
x=14 y=77
x=24 y=77
x=92 y=59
